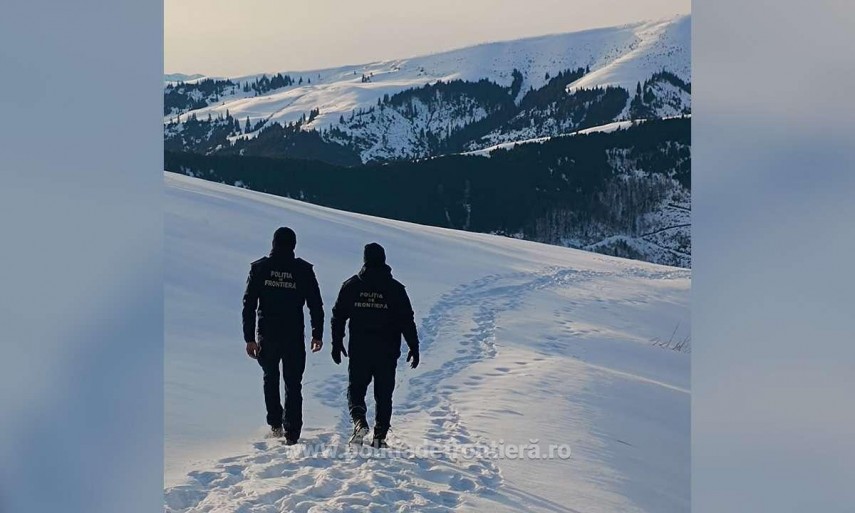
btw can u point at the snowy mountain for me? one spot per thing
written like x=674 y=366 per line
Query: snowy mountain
x=523 y=343
x=588 y=135
x=181 y=77
x=460 y=100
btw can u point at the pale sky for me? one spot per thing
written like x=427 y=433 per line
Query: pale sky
x=231 y=37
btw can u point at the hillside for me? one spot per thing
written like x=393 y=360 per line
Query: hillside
x=521 y=341
x=425 y=106
x=622 y=190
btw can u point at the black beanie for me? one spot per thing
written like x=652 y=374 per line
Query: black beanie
x=374 y=255
x=284 y=239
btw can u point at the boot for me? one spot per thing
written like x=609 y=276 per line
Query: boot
x=360 y=431
x=378 y=443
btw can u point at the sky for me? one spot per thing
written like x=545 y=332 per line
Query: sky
x=229 y=38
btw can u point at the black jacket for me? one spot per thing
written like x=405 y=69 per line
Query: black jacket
x=379 y=311
x=277 y=288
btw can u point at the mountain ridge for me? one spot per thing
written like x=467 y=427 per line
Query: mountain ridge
x=612 y=57
x=499 y=100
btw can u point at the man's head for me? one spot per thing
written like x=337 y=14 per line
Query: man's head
x=374 y=255
x=284 y=239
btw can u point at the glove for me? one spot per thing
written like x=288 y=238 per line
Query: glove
x=337 y=351
x=414 y=356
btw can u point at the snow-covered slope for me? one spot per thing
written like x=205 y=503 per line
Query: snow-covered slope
x=618 y=56
x=181 y=77
x=523 y=343
x=655 y=46
x=608 y=127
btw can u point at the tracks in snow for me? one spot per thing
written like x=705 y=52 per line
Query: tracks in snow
x=278 y=478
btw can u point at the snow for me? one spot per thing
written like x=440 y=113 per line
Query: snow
x=607 y=128
x=673 y=99
x=174 y=78
x=521 y=341
x=660 y=45
x=610 y=127
x=621 y=56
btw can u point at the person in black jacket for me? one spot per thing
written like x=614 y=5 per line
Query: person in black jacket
x=276 y=290
x=379 y=312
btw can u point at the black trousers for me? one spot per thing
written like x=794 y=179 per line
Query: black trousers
x=291 y=359
x=361 y=371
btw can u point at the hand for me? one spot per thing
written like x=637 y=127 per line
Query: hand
x=252 y=350
x=414 y=356
x=317 y=344
x=338 y=350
